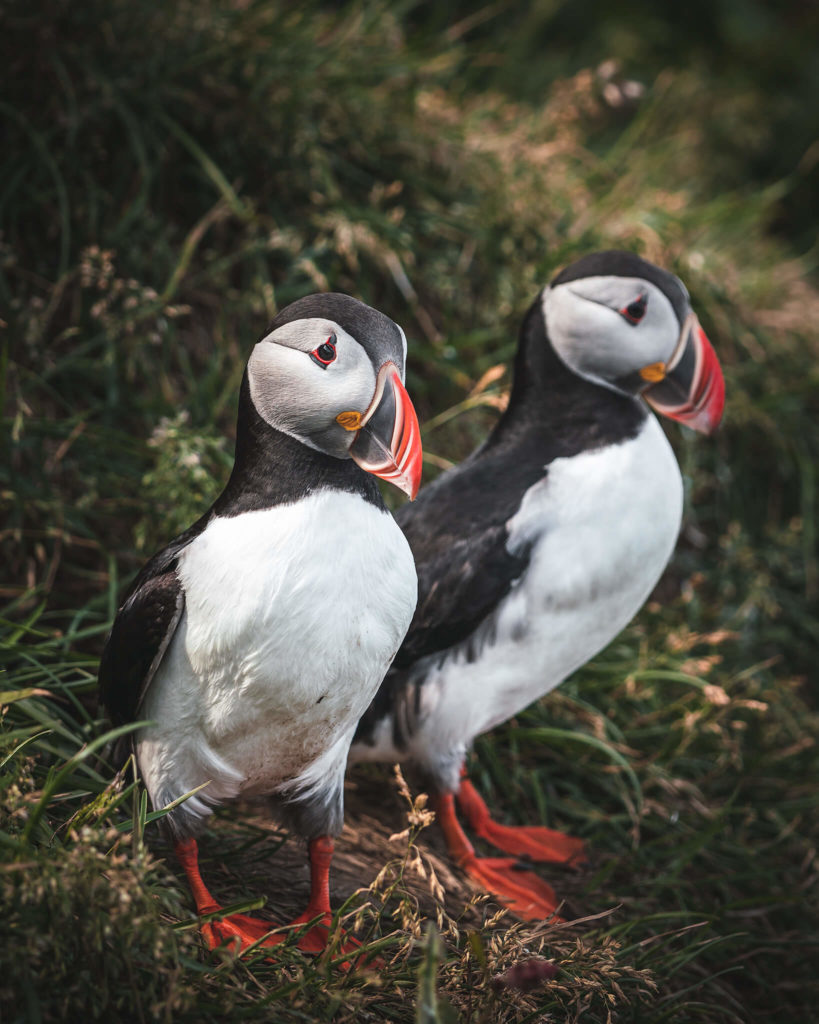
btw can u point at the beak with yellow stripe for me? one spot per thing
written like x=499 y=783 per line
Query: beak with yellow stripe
x=388 y=438
x=691 y=389
x=688 y=388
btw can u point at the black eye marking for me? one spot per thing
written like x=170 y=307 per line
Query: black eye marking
x=635 y=311
x=325 y=353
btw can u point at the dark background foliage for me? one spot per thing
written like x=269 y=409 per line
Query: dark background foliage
x=173 y=174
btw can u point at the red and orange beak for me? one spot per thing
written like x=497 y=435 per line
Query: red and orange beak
x=388 y=439
x=691 y=387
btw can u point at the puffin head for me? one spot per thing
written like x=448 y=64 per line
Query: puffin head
x=619 y=321
x=329 y=372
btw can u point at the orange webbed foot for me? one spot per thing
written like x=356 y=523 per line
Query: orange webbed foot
x=533 y=841
x=520 y=890
x=240 y=932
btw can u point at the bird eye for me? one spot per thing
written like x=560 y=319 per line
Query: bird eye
x=325 y=353
x=635 y=311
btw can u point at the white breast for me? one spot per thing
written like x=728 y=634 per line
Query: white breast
x=292 y=617
x=601 y=526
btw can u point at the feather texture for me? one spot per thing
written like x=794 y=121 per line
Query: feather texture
x=286 y=634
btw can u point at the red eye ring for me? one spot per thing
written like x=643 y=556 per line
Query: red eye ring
x=636 y=310
x=325 y=353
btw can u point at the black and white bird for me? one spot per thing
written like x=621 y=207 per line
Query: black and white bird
x=540 y=547
x=255 y=640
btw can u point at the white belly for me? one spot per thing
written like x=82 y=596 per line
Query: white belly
x=292 y=617
x=603 y=525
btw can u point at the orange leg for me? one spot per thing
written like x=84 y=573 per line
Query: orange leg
x=522 y=891
x=532 y=841
x=315 y=939
x=243 y=930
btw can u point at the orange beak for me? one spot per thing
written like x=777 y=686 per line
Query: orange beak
x=388 y=441
x=693 y=388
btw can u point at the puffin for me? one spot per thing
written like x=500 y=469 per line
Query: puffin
x=248 y=648
x=536 y=551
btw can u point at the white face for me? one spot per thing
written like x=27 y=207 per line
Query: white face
x=301 y=396
x=609 y=327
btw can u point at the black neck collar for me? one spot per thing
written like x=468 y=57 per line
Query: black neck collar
x=272 y=468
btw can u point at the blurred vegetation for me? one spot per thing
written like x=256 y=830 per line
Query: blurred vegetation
x=173 y=174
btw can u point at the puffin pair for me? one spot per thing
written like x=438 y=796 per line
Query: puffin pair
x=538 y=549
x=255 y=640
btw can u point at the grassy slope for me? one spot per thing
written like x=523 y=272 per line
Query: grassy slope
x=171 y=178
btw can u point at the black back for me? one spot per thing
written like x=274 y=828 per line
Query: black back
x=457 y=527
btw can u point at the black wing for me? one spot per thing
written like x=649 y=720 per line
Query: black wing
x=144 y=626
x=461 y=580
x=457 y=530
x=457 y=527
x=458 y=533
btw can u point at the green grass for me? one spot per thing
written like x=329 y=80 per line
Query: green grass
x=172 y=175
